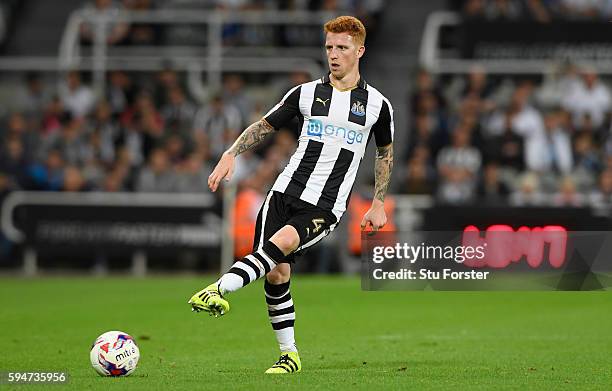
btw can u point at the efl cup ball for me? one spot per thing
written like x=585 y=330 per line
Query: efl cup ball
x=114 y=354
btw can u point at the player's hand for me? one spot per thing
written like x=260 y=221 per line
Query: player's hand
x=375 y=216
x=223 y=170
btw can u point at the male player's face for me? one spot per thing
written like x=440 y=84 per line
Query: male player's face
x=343 y=53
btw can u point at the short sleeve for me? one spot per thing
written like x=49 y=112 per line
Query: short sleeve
x=286 y=110
x=383 y=129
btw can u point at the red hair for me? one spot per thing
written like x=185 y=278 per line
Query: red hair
x=347 y=24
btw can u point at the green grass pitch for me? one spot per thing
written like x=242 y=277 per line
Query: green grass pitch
x=348 y=339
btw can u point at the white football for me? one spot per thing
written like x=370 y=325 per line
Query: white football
x=114 y=353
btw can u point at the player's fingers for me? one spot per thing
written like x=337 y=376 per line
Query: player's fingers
x=215 y=183
x=363 y=223
x=229 y=175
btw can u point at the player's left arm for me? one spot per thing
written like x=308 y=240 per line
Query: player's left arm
x=383 y=166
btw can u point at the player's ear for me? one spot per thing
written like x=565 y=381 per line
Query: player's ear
x=360 y=51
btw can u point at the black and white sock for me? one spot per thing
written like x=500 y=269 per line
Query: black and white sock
x=250 y=268
x=282 y=314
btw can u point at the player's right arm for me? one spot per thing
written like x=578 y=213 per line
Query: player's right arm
x=251 y=136
x=254 y=134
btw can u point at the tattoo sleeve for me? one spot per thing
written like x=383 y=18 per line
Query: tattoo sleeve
x=382 y=171
x=251 y=136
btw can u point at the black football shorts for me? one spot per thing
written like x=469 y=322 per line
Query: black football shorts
x=311 y=222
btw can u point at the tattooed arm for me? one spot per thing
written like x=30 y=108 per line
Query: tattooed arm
x=383 y=165
x=251 y=136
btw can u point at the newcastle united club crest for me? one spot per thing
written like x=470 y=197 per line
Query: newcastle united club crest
x=358 y=109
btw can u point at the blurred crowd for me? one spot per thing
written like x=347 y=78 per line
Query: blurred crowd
x=518 y=141
x=542 y=11
x=120 y=33
x=143 y=135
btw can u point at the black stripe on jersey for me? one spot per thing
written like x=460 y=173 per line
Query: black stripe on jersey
x=335 y=179
x=382 y=127
x=321 y=100
x=288 y=109
x=307 y=165
x=359 y=103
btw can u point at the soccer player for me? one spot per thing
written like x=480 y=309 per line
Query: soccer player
x=338 y=114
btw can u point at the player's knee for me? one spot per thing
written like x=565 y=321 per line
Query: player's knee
x=280 y=274
x=287 y=239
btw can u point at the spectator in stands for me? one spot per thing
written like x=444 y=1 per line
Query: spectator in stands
x=507 y=148
x=114 y=182
x=70 y=141
x=602 y=196
x=178 y=112
x=93 y=168
x=115 y=32
x=52 y=118
x=73 y=180
x=425 y=88
x=157 y=176
x=144 y=127
x=567 y=194
x=551 y=151
x=175 y=148
x=557 y=85
x=420 y=175
x=33 y=99
x=165 y=80
x=77 y=98
x=193 y=174
x=104 y=134
x=458 y=166
x=587 y=161
x=590 y=97
x=427 y=135
x=235 y=95
x=13 y=162
x=48 y=176
x=528 y=191
x=18 y=127
x=491 y=188
x=219 y=124
x=119 y=92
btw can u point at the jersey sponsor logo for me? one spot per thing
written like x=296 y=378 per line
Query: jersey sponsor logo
x=323 y=102
x=358 y=109
x=317 y=128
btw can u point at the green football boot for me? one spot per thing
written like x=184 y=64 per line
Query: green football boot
x=209 y=300
x=289 y=362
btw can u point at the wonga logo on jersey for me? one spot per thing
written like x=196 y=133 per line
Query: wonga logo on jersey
x=316 y=128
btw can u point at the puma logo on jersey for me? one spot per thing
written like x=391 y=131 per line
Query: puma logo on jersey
x=323 y=102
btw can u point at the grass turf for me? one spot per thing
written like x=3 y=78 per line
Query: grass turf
x=347 y=338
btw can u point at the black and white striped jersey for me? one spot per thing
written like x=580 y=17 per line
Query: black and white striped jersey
x=335 y=128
